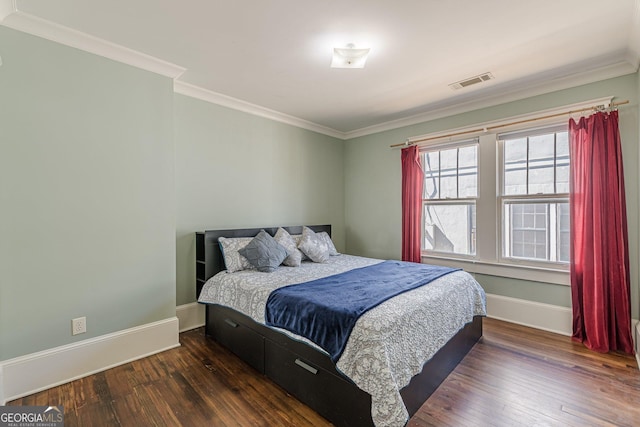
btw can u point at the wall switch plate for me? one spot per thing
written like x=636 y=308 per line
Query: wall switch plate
x=78 y=326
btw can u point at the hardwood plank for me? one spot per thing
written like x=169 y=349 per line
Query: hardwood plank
x=526 y=377
x=129 y=410
x=96 y=414
x=513 y=376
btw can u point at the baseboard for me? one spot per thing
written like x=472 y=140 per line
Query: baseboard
x=35 y=372
x=537 y=315
x=547 y=317
x=190 y=316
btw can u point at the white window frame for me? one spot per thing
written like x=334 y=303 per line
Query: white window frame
x=448 y=201
x=488 y=207
x=523 y=198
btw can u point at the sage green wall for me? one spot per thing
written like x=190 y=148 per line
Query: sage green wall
x=373 y=182
x=236 y=170
x=86 y=194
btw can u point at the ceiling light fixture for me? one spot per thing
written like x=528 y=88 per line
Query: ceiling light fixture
x=349 y=57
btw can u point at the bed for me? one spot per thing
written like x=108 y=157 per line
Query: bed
x=389 y=366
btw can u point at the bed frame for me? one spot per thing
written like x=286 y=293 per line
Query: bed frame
x=301 y=370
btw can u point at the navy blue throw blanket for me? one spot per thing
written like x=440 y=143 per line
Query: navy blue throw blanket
x=326 y=310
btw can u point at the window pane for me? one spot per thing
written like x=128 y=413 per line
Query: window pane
x=450 y=228
x=515 y=166
x=431 y=166
x=564 y=238
x=536 y=165
x=448 y=186
x=528 y=250
x=541 y=252
x=515 y=150
x=527 y=231
x=529 y=220
x=562 y=162
x=541 y=164
x=449 y=174
x=468 y=171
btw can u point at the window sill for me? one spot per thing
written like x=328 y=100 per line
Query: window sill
x=522 y=272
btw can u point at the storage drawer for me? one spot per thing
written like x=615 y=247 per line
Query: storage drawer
x=328 y=394
x=228 y=329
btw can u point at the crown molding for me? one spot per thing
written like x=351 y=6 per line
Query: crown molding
x=202 y=94
x=11 y=17
x=545 y=117
x=616 y=70
x=7 y=7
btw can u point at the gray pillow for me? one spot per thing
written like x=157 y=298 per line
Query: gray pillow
x=264 y=253
x=313 y=246
x=294 y=256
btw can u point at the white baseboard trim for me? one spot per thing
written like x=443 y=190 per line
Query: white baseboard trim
x=39 y=371
x=537 y=315
x=190 y=316
x=547 y=317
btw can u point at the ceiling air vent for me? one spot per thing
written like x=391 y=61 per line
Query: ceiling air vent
x=471 y=81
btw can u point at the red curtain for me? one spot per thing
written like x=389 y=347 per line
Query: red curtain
x=600 y=281
x=412 y=182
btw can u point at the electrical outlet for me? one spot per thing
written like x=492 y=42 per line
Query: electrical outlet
x=78 y=326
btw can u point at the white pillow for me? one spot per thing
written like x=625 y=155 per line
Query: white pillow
x=298 y=239
x=233 y=261
x=313 y=246
x=327 y=239
x=294 y=256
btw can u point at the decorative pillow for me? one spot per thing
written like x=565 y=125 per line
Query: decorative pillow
x=264 y=252
x=298 y=239
x=294 y=256
x=233 y=261
x=313 y=246
x=327 y=239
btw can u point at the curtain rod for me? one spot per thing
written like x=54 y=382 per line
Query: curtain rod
x=486 y=129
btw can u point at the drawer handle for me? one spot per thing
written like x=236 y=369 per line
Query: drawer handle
x=309 y=368
x=231 y=323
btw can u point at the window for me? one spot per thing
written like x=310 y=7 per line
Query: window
x=498 y=204
x=534 y=196
x=450 y=196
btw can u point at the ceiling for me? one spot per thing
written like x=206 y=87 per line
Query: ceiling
x=274 y=56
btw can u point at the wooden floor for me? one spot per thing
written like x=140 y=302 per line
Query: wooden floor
x=515 y=376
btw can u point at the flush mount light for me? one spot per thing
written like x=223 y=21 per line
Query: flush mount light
x=349 y=57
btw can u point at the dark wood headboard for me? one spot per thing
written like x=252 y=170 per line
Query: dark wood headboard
x=209 y=260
